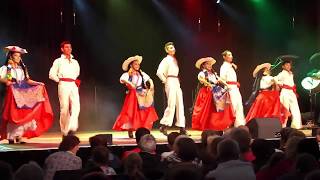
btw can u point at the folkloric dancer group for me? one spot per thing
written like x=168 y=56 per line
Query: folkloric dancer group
x=218 y=106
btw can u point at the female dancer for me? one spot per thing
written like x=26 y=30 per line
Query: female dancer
x=212 y=108
x=137 y=110
x=26 y=110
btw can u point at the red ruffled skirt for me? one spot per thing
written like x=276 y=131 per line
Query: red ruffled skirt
x=205 y=115
x=40 y=112
x=131 y=117
x=268 y=105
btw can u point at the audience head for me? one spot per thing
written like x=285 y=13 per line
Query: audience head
x=309 y=146
x=100 y=155
x=313 y=175
x=284 y=136
x=318 y=135
x=133 y=165
x=228 y=149
x=262 y=149
x=213 y=151
x=30 y=171
x=70 y=143
x=292 y=147
x=96 y=176
x=141 y=132
x=98 y=140
x=148 y=143
x=242 y=136
x=171 y=138
x=185 y=148
x=205 y=134
x=6 y=171
x=306 y=163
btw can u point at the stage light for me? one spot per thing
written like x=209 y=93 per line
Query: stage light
x=218 y=1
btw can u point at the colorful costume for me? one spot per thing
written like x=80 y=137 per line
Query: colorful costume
x=168 y=72
x=65 y=72
x=288 y=96
x=137 y=110
x=212 y=108
x=26 y=110
x=267 y=104
x=228 y=74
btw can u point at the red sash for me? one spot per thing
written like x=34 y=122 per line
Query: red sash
x=77 y=81
x=234 y=83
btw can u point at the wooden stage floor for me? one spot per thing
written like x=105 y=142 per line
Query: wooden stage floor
x=51 y=140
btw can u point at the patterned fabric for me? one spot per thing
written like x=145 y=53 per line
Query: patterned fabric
x=145 y=98
x=61 y=160
x=27 y=97
x=220 y=98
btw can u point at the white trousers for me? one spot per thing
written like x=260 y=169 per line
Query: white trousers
x=236 y=101
x=69 y=106
x=174 y=104
x=289 y=100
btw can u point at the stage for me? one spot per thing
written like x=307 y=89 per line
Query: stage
x=51 y=140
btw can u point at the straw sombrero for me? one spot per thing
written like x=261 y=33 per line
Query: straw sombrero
x=126 y=63
x=260 y=67
x=206 y=59
x=15 y=49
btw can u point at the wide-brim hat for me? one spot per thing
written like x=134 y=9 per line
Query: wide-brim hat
x=15 y=49
x=125 y=64
x=203 y=60
x=260 y=67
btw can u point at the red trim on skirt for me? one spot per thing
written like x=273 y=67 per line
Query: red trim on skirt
x=205 y=116
x=131 y=117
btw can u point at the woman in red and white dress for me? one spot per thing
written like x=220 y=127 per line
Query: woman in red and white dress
x=137 y=110
x=212 y=108
x=26 y=109
x=267 y=103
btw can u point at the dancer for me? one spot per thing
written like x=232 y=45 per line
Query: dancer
x=288 y=96
x=267 y=103
x=228 y=74
x=26 y=110
x=137 y=110
x=212 y=108
x=65 y=71
x=168 y=72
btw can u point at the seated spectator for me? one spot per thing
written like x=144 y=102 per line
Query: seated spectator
x=6 y=171
x=96 y=176
x=65 y=158
x=309 y=146
x=284 y=136
x=230 y=167
x=151 y=165
x=29 y=171
x=242 y=136
x=171 y=138
x=313 y=175
x=305 y=163
x=210 y=163
x=173 y=158
x=100 y=140
x=318 y=137
x=186 y=150
x=138 y=134
x=100 y=157
x=133 y=167
x=262 y=150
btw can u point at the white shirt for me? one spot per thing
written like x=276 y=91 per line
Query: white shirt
x=285 y=77
x=16 y=73
x=227 y=72
x=64 y=68
x=266 y=82
x=211 y=77
x=167 y=67
x=136 y=79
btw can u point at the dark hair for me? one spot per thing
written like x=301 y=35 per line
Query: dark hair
x=6 y=171
x=205 y=134
x=286 y=62
x=242 y=136
x=187 y=149
x=141 y=132
x=284 y=136
x=69 y=142
x=214 y=146
x=100 y=155
x=228 y=149
x=95 y=176
x=262 y=149
x=309 y=146
x=64 y=43
x=168 y=44
x=172 y=137
x=98 y=140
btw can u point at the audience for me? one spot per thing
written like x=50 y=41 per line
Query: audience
x=64 y=159
x=230 y=166
x=242 y=137
x=100 y=157
x=262 y=149
x=133 y=167
x=6 y=171
x=138 y=134
x=29 y=171
x=171 y=138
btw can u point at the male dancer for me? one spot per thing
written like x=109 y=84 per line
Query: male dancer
x=288 y=95
x=228 y=74
x=65 y=71
x=168 y=72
